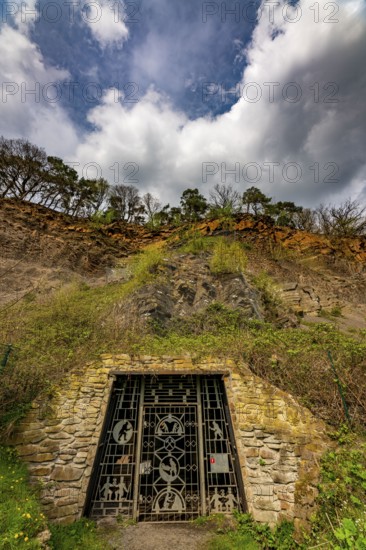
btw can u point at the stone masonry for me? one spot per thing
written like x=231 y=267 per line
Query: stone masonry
x=279 y=442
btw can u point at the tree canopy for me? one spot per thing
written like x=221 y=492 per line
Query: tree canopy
x=27 y=173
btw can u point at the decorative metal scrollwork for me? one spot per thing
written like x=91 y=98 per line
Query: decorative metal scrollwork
x=166 y=453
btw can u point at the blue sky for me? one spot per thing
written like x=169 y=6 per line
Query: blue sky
x=176 y=46
x=152 y=88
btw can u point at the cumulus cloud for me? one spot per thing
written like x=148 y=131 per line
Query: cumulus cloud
x=297 y=129
x=28 y=90
x=106 y=20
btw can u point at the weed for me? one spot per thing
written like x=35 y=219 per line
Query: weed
x=335 y=311
x=60 y=332
x=191 y=241
x=232 y=541
x=252 y=535
x=340 y=518
x=269 y=292
x=81 y=534
x=145 y=265
x=21 y=518
x=228 y=257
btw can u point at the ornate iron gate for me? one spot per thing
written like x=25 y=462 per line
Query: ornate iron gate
x=167 y=452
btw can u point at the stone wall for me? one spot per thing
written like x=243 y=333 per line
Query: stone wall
x=279 y=442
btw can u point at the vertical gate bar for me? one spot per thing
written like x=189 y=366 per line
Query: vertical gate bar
x=138 y=450
x=93 y=481
x=200 y=448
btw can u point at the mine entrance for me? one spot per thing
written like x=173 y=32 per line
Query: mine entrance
x=167 y=452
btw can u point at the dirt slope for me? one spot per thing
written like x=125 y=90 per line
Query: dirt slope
x=41 y=248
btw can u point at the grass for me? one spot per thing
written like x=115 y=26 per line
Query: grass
x=335 y=311
x=195 y=243
x=232 y=541
x=291 y=359
x=340 y=521
x=56 y=333
x=80 y=535
x=21 y=518
x=227 y=257
x=254 y=536
x=145 y=265
x=269 y=291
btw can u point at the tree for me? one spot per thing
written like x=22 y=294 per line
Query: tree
x=283 y=212
x=126 y=203
x=346 y=220
x=194 y=205
x=62 y=184
x=89 y=196
x=175 y=216
x=23 y=169
x=305 y=220
x=152 y=207
x=27 y=173
x=226 y=198
x=255 y=201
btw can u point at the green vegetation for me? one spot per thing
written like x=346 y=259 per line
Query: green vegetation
x=335 y=311
x=195 y=243
x=81 y=535
x=233 y=541
x=228 y=257
x=21 y=518
x=55 y=333
x=145 y=265
x=341 y=516
x=252 y=535
x=269 y=292
x=292 y=359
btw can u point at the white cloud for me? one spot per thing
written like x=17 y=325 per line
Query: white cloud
x=324 y=137
x=106 y=20
x=325 y=60
x=28 y=87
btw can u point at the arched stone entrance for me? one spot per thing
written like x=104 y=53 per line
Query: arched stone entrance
x=279 y=443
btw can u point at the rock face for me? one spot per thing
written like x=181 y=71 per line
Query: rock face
x=292 y=239
x=279 y=442
x=301 y=299
x=187 y=287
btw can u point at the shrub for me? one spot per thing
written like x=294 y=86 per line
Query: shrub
x=197 y=243
x=228 y=257
x=144 y=265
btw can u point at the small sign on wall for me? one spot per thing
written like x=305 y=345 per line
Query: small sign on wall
x=219 y=463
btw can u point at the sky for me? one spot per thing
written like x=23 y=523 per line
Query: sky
x=170 y=94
